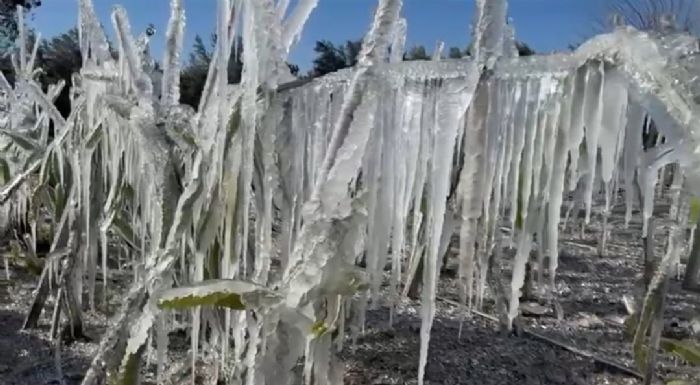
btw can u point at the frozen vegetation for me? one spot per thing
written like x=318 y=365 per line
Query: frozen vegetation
x=274 y=217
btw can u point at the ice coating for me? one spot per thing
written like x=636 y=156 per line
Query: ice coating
x=399 y=41
x=170 y=94
x=295 y=23
x=356 y=166
x=593 y=112
x=456 y=97
x=631 y=152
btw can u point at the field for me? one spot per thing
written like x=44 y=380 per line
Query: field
x=590 y=291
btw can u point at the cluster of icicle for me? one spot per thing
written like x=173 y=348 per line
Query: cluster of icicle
x=537 y=130
x=290 y=191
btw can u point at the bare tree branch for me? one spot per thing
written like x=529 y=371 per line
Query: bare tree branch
x=647 y=14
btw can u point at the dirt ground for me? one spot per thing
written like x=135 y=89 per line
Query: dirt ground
x=590 y=290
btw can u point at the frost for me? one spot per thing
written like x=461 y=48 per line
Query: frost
x=276 y=192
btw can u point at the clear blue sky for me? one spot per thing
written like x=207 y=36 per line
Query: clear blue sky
x=546 y=25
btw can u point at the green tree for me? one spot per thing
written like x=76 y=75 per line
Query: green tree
x=418 y=52
x=331 y=58
x=59 y=58
x=194 y=74
x=455 y=53
x=293 y=69
x=524 y=49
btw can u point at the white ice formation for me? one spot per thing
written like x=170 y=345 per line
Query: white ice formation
x=291 y=188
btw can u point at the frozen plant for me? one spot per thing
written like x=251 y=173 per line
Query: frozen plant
x=248 y=218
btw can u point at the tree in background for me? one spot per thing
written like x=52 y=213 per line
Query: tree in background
x=331 y=58
x=59 y=58
x=194 y=74
x=293 y=69
x=455 y=53
x=524 y=49
x=656 y=15
x=8 y=20
x=417 y=52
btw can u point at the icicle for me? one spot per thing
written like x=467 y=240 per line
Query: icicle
x=401 y=126
x=103 y=247
x=426 y=120
x=501 y=145
x=267 y=138
x=406 y=134
x=576 y=127
x=525 y=169
x=322 y=360
x=513 y=104
x=372 y=163
x=522 y=255
x=551 y=133
x=540 y=136
x=632 y=149
x=593 y=115
x=556 y=187
x=308 y=361
x=22 y=42
x=523 y=94
x=505 y=153
x=675 y=190
x=348 y=164
x=652 y=160
x=614 y=120
x=492 y=119
x=161 y=346
x=254 y=329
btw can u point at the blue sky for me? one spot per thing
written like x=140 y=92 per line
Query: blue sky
x=546 y=25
